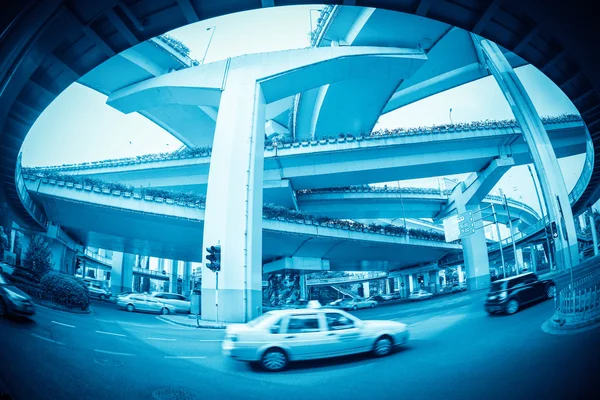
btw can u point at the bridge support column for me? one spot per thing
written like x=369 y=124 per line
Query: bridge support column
x=366 y=291
x=476 y=266
x=590 y=213
x=187 y=274
x=173 y=277
x=303 y=287
x=121 y=276
x=387 y=286
x=532 y=257
x=234 y=204
x=550 y=176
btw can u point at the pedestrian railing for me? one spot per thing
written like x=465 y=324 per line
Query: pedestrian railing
x=579 y=301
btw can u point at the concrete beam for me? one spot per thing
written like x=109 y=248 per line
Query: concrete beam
x=296 y=264
x=272 y=127
x=358 y=24
x=188 y=11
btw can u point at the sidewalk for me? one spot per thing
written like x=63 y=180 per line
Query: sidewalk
x=190 y=320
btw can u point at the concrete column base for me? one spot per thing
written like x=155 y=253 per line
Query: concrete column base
x=231 y=305
x=478 y=282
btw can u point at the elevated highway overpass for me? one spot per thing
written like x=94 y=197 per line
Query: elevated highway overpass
x=411 y=154
x=163 y=228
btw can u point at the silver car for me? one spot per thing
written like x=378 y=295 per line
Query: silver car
x=177 y=301
x=142 y=302
x=278 y=337
x=355 y=304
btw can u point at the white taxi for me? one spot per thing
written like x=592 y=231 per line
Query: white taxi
x=278 y=337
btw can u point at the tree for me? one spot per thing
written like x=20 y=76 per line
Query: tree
x=4 y=245
x=38 y=257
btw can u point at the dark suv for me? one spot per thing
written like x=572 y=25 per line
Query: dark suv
x=509 y=294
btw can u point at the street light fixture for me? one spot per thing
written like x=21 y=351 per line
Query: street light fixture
x=213 y=28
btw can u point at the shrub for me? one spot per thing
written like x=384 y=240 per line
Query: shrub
x=38 y=258
x=65 y=289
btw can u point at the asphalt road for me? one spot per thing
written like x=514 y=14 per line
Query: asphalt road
x=455 y=352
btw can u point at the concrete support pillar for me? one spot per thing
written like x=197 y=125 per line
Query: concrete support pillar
x=546 y=165
x=477 y=266
x=303 y=287
x=590 y=213
x=411 y=285
x=173 y=276
x=121 y=277
x=387 y=286
x=366 y=291
x=161 y=265
x=519 y=260
x=187 y=275
x=532 y=257
x=234 y=204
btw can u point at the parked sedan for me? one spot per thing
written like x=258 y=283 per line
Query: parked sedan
x=142 y=302
x=356 y=303
x=178 y=302
x=278 y=337
x=420 y=295
x=14 y=301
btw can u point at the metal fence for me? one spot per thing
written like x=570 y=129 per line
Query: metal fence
x=578 y=301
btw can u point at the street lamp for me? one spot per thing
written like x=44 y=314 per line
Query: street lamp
x=213 y=29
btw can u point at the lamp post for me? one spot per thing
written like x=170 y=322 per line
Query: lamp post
x=542 y=215
x=213 y=28
x=402 y=203
x=511 y=234
x=499 y=240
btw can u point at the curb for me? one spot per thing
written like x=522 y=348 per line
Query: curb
x=193 y=324
x=49 y=307
x=550 y=327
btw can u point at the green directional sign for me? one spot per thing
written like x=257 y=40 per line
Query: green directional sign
x=466 y=226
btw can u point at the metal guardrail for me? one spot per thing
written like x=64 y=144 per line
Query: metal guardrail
x=98 y=257
x=152 y=272
x=347 y=279
x=580 y=301
x=34 y=211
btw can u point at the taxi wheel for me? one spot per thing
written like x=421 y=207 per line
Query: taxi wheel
x=372 y=305
x=130 y=308
x=355 y=307
x=165 y=311
x=102 y=297
x=274 y=360
x=383 y=346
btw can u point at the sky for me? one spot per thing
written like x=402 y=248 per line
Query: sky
x=78 y=126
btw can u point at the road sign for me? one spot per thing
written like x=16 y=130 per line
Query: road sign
x=466 y=226
x=451 y=231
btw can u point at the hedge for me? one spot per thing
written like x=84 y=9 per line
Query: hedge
x=65 y=289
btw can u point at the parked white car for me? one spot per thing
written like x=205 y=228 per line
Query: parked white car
x=278 y=337
x=178 y=302
x=420 y=295
x=356 y=303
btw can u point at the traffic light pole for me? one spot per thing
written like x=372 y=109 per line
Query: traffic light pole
x=217 y=296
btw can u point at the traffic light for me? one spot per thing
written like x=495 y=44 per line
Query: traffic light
x=554 y=230
x=214 y=258
x=77 y=264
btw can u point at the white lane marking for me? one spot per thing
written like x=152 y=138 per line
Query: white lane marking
x=60 y=323
x=186 y=357
x=187 y=327
x=165 y=339
x=46 y=339
x=104 y=320
x=209 y=340
x=109 y=333
x=113 y=353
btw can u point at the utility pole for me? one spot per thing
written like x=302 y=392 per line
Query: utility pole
x=512 y=237
x=542 y=215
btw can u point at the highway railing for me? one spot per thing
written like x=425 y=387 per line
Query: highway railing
x=34 y=211
x=98 y=257
x=347 y=279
